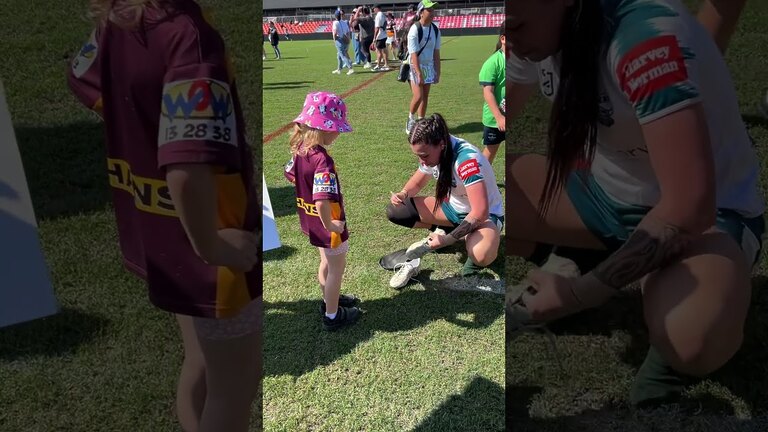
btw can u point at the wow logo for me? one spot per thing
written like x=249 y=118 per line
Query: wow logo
x=325 y=179
x=203 y=99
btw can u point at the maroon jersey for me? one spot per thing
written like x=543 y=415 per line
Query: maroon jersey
x=167 y=96
x=314 y=177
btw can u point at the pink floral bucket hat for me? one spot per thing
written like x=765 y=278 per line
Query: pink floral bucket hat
x=324 y=111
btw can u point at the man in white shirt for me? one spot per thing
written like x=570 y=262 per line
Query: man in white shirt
x=380 y=39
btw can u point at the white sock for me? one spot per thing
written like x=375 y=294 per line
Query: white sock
x=331 y=316
x=412 y=116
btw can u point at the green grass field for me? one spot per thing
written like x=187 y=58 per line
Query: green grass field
x=426 y=358
x=109 y=360
x=601 y=350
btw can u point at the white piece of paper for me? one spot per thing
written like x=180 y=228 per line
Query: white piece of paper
x=26 y=292
x=270 y=237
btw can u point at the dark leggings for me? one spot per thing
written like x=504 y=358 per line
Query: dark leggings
x=366 y=48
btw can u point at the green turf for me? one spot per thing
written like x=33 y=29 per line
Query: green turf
x=426 y=358
x=602 y=350
x=109 y=360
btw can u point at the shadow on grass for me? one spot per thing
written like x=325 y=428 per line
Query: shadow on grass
x=285 y=87
x=283 y=199
x=65 y=168
x=467 y=128
x=286 y=83
x=279 y=254
x=755 y=120
x=57 y=335
x=296 y=342
x=478 y=408
x=660 y=420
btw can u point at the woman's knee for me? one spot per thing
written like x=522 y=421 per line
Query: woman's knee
x=483 y=256
x=696 y=356
x=404 y=214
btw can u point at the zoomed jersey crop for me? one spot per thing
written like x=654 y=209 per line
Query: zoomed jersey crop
x=659 y=60
x=315 y=178
x=469 y=167
x=168 y=97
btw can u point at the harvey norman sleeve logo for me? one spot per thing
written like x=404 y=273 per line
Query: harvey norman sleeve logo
x=469 y=168
x=200 y=109
x=651 y=66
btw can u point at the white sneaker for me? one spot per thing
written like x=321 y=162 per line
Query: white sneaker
x=337 y=71
x=554 y=264
x=367 y=66
x=351 y=71
x=421 y=247
x=385 y=69
x=404 y=272
x=409 y=125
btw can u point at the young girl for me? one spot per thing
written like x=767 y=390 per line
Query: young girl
x=181 y=173
x=319 y=200
x=493 y=79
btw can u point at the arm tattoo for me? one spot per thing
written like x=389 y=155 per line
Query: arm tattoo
x=467 y=226
x=653 y=245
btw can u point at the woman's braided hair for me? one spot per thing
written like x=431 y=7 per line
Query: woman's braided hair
x=433 y=131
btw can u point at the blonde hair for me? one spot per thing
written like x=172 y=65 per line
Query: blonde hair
x=124 y=13
x=305 y=139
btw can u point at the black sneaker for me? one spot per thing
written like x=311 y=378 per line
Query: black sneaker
x=345 y=316
x=345 y=300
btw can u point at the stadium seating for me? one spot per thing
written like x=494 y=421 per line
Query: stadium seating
x=445 y=22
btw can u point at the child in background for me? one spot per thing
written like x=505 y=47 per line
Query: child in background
x=319 y=200
x=493 y=79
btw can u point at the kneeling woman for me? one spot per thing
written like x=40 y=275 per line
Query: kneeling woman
x=467 y=201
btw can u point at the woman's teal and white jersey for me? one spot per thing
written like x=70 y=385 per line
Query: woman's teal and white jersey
x=469 y=167
x=659 y=60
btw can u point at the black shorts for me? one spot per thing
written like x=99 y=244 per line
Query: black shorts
x=381 y=44
x=493 y=136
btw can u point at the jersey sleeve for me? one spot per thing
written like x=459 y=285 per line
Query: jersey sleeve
x=84 y=77
x=521 y=71
x=438 y=40
x=289 y=171
x=468 y=167
x=489 y=72
x=652 y=62
x=426 y=170
x=198 y=122
x=325 y=185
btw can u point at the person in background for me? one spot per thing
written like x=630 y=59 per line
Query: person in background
x=424 y=59
x=493 y=80
x=274 y=39
x=342 y=34
x=363 y=18
x=359 y=59
x=380 y=39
